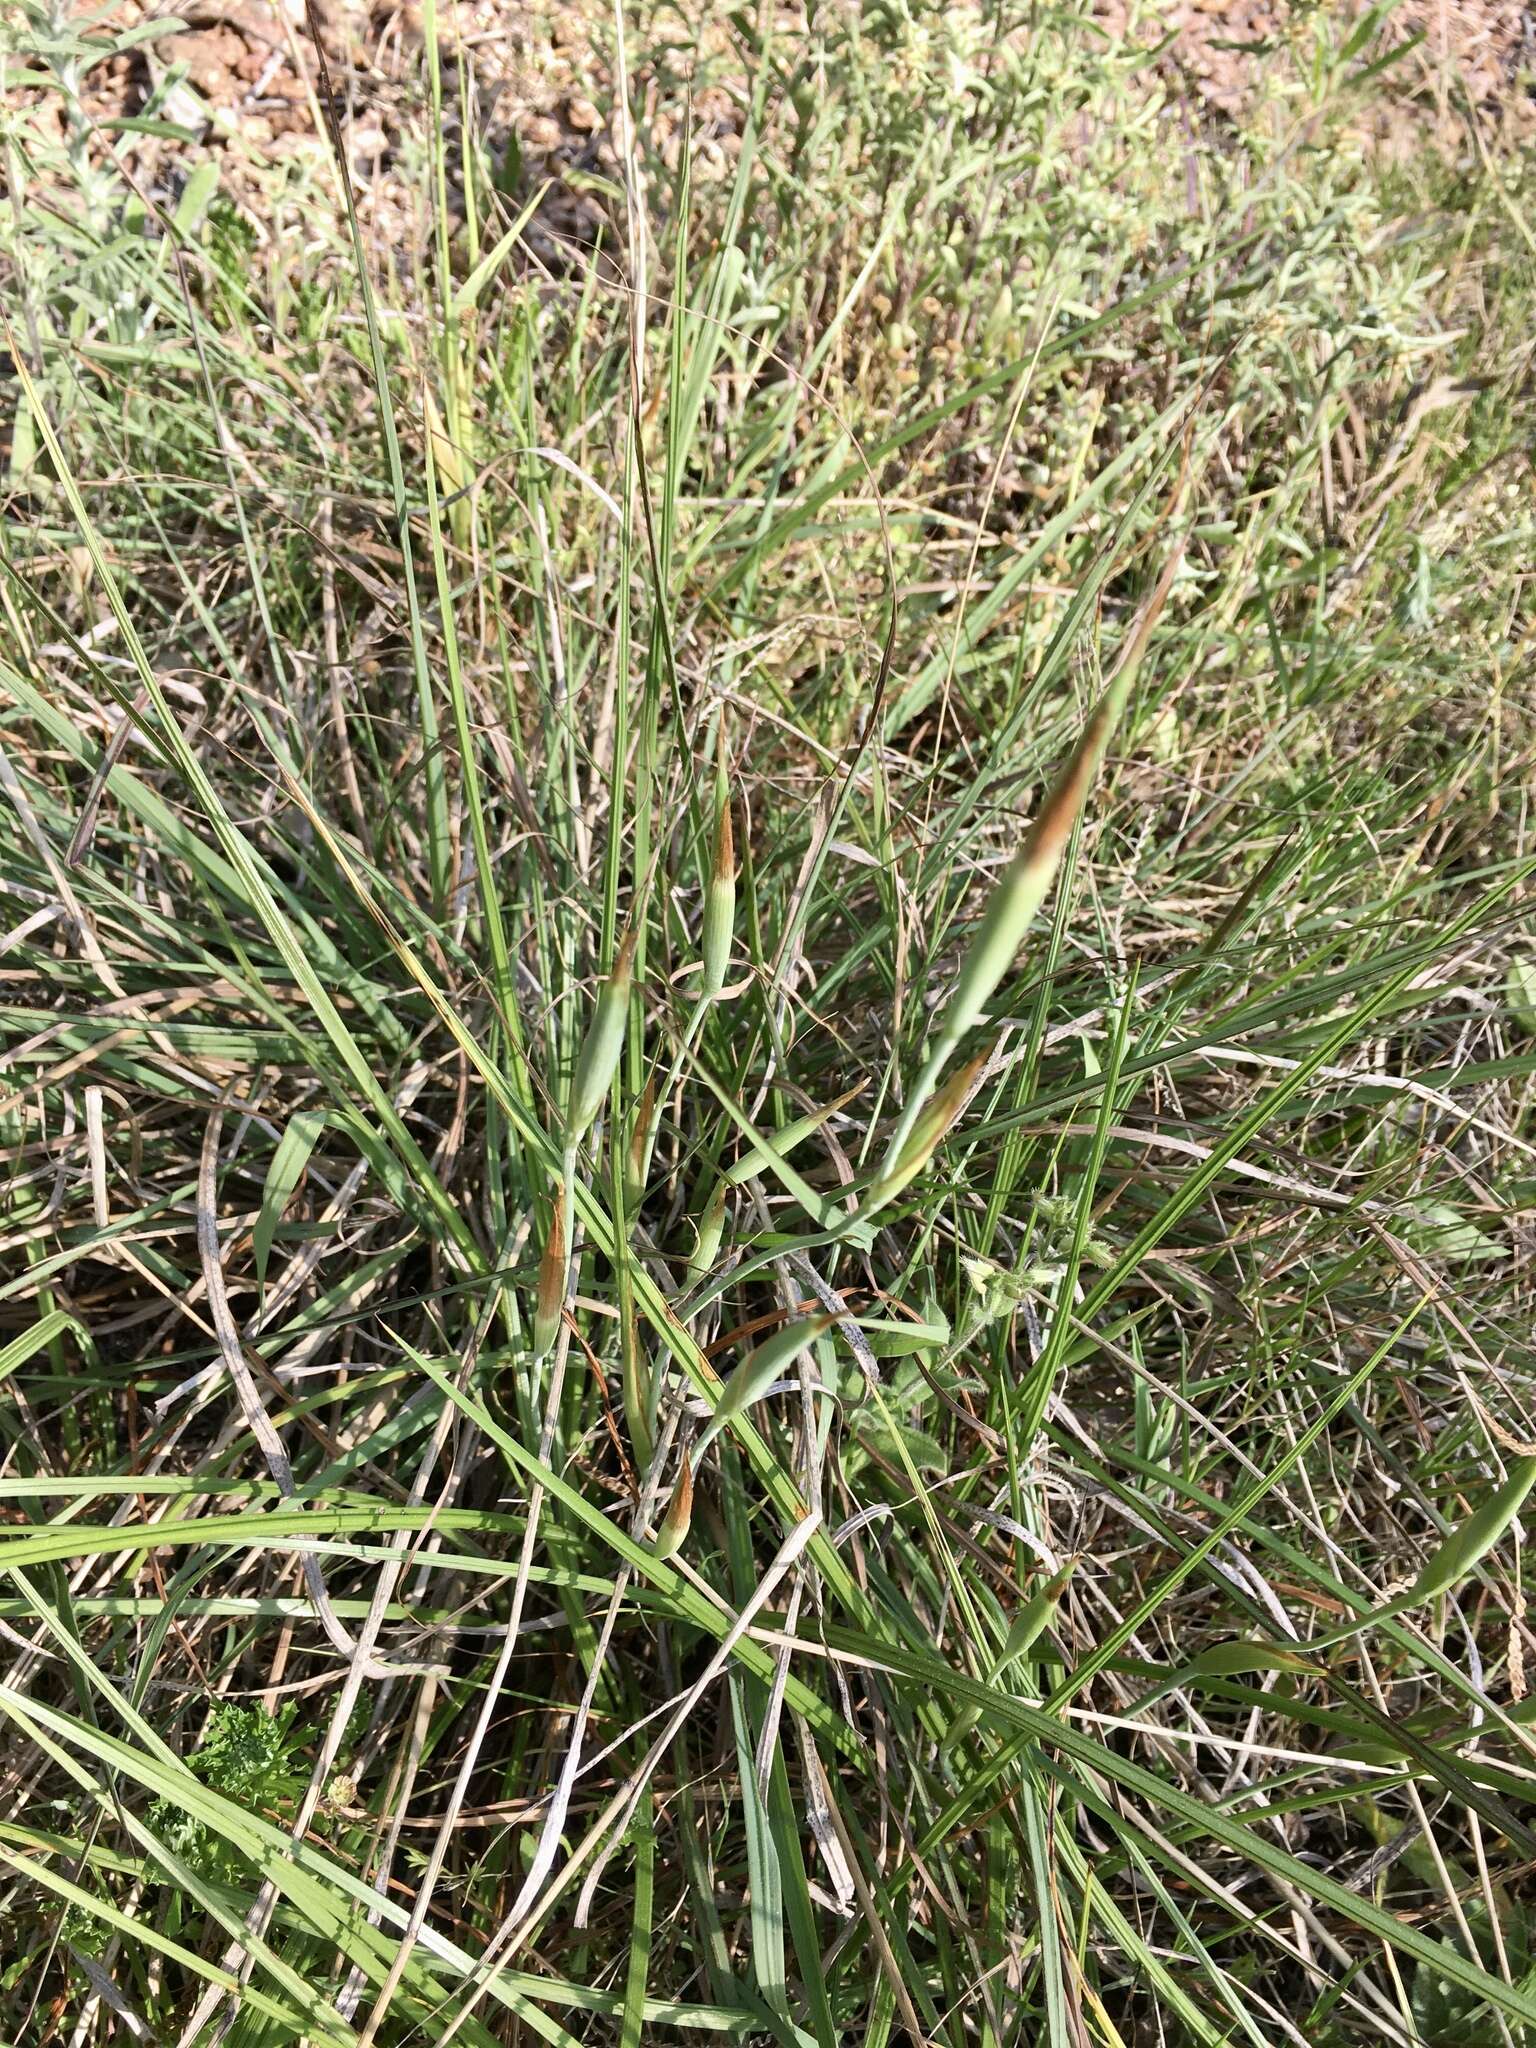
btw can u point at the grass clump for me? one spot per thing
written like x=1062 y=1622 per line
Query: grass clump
x=768 y=1057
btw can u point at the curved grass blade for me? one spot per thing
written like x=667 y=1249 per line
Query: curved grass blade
x=284 y=1172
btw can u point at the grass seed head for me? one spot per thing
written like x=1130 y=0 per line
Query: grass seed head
x=552 y=1271
x=757 y=1372
x=604 y=1042
x=1017 y=898
x=637 y=1156
x=636 y=1390
x=675 y=1523
x=720 y=896
x=928 y=1133
x=710 y=1228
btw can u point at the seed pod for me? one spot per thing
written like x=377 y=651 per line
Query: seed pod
x=675 y=1522
x=603 y=1043
x=719 y=896
x=1035 y=1616
x=642 y=1137
x=928 y=1134
x=1029 y=875
x=552 y=1275
x=1032 y=1619
x=710 y=1228
x=455 y=474
x=1013 y=903
x=785 y=1140
x=637 y=1407
x=757 y=1372
x=1466 y=1546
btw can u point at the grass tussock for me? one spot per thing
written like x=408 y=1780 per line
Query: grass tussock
x=769 y=1030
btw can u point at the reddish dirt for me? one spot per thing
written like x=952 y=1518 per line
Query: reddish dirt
x=540 y=82
x=1472 y=48
x=235 y=72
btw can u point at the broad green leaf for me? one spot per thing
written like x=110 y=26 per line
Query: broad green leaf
x=469 y=291
x=1520 y=992
x=196 y=196
x=149 y=30
x=895 y=1337
x=1461 y=1552
x=777 y=1146
x=1444 y=1233
x=876 y=1434
x=762 y=1865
